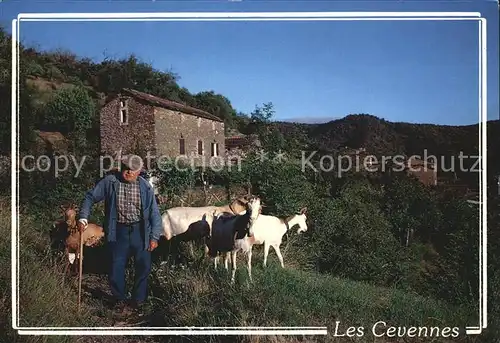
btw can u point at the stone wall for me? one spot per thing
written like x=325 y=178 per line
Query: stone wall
x=136 y=136
x=172 y=126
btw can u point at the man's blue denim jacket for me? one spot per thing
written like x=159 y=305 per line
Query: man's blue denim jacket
x=107 y=189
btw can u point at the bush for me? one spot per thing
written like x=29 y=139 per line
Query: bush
x=174 y=179
x=456 y=273
x=34 y=69
x=353 y=238
x=283 y=187
x=71 y=112
x=54 y=73
x=412 y=209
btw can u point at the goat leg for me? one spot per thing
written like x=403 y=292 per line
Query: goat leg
x=266 y=252
x=280 y=257
x=66 y=261
x=226 y=260
x=250 y=264
x=234 y=267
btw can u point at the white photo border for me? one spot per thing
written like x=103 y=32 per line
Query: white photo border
x=237 y=16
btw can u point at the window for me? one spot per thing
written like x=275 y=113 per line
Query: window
x=123 y=116
x=200 y=147
x=123 y=112
x=215 y=149
x=182 y=149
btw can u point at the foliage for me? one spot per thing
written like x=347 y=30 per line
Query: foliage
x=411 y=208
x=457 y=243
x=44 y=190
x=353 y=238
x=263 y=115
x=26 y=113
x=216 y=104
x=279 y=182
x=45 y=298
x=71 y=112
x=271 y=138
x=174 y=178
x=282 y=186
x=110 y=76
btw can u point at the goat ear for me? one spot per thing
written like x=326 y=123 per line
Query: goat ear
x=303 y=210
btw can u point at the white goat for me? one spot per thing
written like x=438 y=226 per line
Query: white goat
x=269 y=230
x=177 y=220
x=227 y=229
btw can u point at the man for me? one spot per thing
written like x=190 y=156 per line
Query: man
x=132 y=224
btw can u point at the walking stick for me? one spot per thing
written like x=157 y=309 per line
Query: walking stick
x=80 y=272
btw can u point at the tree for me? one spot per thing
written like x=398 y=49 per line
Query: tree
x=456 y=268
x=272 y=140
x=26 y=110
x=216 y=104
x=352 y=237
x=411 y=208
x=262 y=115
x=70 y=112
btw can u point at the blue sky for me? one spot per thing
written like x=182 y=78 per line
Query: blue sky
x=411 y=71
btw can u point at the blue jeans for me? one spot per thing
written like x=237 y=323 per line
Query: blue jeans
x=129 y=241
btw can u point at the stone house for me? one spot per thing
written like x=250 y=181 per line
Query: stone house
x=238 y=146
x=424 y=171
x=361 y=160
x=134 y=122
x=242 y=143
x=357 y=160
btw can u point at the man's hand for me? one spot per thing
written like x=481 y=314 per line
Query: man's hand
x=152 y=245
x=82 y=225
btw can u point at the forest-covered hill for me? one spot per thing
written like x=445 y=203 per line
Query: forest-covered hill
x=44 y=72
x=383 y=137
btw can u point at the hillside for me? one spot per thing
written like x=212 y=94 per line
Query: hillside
x=386 y=247
x=383 y=137
x=379 y=136
x=196 y=295
x=43 y=73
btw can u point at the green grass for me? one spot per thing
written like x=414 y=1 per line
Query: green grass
x=200 y=296
x=45 y=299
x=290 y=297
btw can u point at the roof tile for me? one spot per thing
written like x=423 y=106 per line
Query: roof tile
x=171 y=105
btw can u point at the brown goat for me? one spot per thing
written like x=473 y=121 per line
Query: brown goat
x=92 y=235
